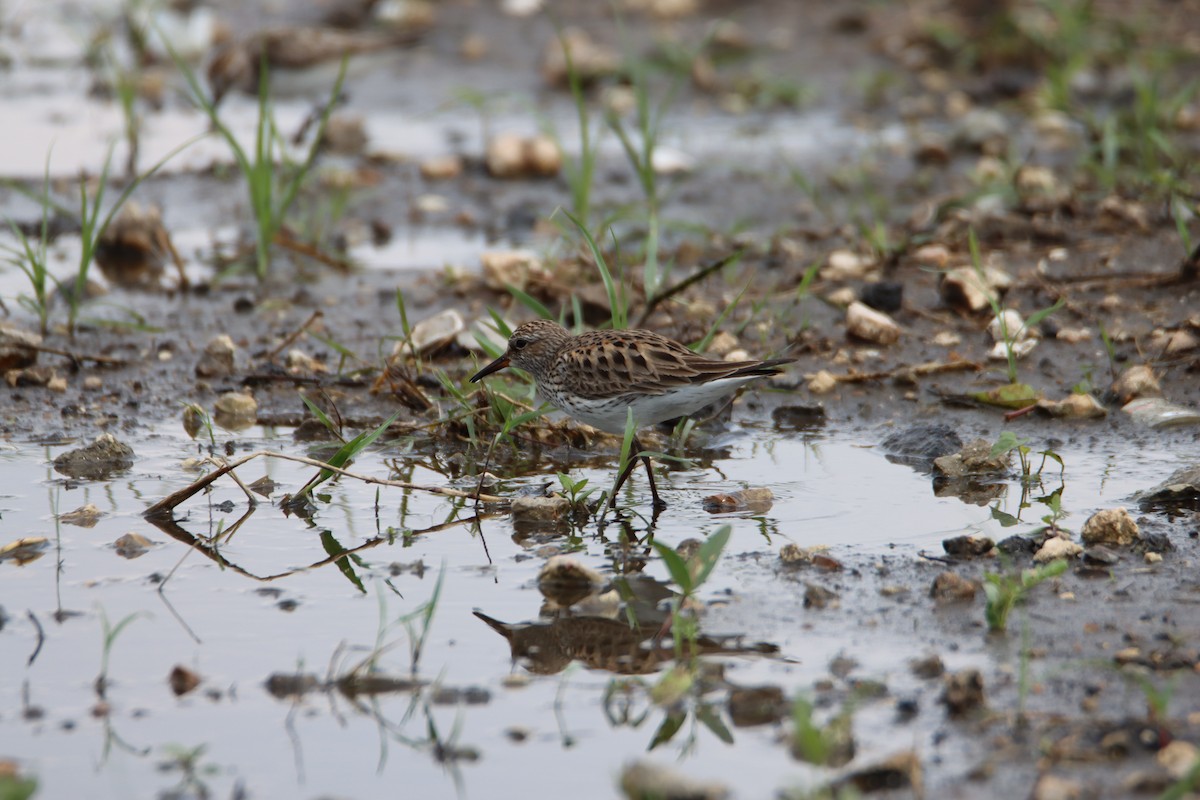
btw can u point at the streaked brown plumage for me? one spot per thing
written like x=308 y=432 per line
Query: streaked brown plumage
x=599 y=377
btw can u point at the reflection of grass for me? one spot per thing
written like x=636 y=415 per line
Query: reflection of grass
x=111 y=632
x=1004 y=591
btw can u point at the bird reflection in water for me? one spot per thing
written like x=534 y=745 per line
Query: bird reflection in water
x=620 y=626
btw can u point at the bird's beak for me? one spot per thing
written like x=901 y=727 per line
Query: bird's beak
x=497 y=365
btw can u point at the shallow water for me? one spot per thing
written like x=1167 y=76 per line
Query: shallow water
x=268 y=613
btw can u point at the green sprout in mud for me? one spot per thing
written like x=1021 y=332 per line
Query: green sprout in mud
x=31 y=257
x=690 y=575
x=347 y=452
x=575 y=490
x=1005 y=590
x=1009 y=338
x=1008 y=442
x=580 y=172
x=272 y=190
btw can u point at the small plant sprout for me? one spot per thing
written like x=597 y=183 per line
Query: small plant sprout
x=1004 y=591
x=575 y=490
x=689 y=575
x=1008 y=442
x=273 y=187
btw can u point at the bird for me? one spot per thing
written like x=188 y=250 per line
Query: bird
x=599 y=377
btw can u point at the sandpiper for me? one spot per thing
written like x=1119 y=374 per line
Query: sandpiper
x=597 y=377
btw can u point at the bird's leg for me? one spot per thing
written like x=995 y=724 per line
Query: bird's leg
x=659 y=503
x=626 y=470
x=635 y=452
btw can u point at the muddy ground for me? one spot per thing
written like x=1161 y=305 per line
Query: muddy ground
x=834 y=147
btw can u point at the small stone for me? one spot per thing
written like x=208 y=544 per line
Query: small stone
x=1153 y=558
x=1008 y=326
x=822 y=383
x=298 y=362
x=927 y=668
x=974 y=459
x=757 y=705
x=441 y=168
x=17 y=347
x=1111 y=526
x=134 y=247
x=968 y=289
x=345 y=134
x=1178 y=758
x=968 y=546
x=1173 y=343
x=235 y=411
x=182 y=680
x=1100 y=555
x=1073 y=335
x=842 y=297
x=642 y=780
x=540 y=509
x=950 y=587
x=846 y=265
x=1052 y=787
x=864 y=322
x=947 y=339
x=900 y=771
x=933 y=255
x=93 y=383
x=513 y=156
x=518 y=733
x=1055 y=548
x=756 y=500
x=1074 y=406
x=885 y=296
x=722 y=344
x=819 y=597
x=99 y=460
x=1136 y=381
x=504 y=268
x=515 y=680
x=543 y=158
x=963 y=692
x=669 y=161
x=132 y=545
x=792 y=554
x=217 y=360
x=85 y=516
x=432 y=334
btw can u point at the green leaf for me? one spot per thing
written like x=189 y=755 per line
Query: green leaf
x=709 y=553
x=1012 y=395
x=529 y=301
x=676 y=566
x=1005 y=519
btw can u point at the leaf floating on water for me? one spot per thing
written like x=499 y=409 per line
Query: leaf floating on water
x=1013 y=395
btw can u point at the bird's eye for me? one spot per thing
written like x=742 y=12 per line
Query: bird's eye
x=519 y=344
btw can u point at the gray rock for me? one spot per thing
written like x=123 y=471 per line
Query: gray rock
x=98 y=461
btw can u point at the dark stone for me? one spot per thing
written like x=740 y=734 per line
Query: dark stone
x=919 y=445
x=887 y=296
